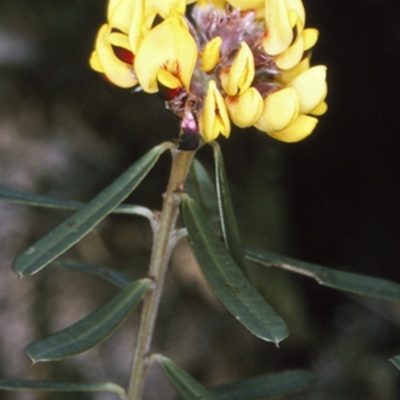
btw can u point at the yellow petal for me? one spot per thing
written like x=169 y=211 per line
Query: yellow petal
x=241 y=74
x=95 y=63
x=168 y=46
x=117 y=72
x=120 y=40
x=298 y=7
x=310 y=87
x=299 y=130
x=247 y=4
x=211 y=56
x=310 y=36
x=165 y=7
x=321 y=109
x=279 y=29
x=291 y=56
x=281 y=108
x=112 y=5
x=168 y=80
x=244 y=110
x=214 y=119
x=289 y=75
x=120 y=14
x=221 y=4
x=136 y=29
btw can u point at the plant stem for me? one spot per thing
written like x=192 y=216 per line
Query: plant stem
x=164 y=241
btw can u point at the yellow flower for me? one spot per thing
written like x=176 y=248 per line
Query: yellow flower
x=127 y=16
x=310 y=87
x=281 y=18
x=214 y=119
x=245 y=62
x=105 y=61
x=294 y=54
x=284 y=113
x=211 y=56
x=169 y=47
x=245 y=109
x=240 y=74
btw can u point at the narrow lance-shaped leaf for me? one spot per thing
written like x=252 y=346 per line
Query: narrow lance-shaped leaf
x=265 y=386
x=37 y=200
x=91 y=330
x=14 y=384
x=202 y=189
x=226 y=279
x=187 y=386
x=117 y=278
x=229 y=226
x=79 y=224
x=345 y=281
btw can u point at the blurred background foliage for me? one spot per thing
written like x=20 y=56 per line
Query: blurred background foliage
x=332 y=199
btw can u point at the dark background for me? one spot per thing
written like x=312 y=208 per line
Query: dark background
x=331 y=199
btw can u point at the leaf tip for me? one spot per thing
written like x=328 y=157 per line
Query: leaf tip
x=283 y=334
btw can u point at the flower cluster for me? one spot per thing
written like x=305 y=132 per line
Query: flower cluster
x=217 y=62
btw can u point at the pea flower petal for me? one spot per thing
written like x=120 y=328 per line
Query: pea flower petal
x=291 y=56
x=95 y=62
x=289 y=75
x=105 y=61
x=120 y=14
x=211 y=56
x=168 y=46
x=279 y=28
x=168 y=80
x=244 y=110
x=310 y=87
x=219 y=4
x=247 y=4
x=280 y=110
x=321 y=109
x=302 y=127
x=310 y=36
x=241 y=73
x=214 y=119
x=164 y=7
x=298 y=7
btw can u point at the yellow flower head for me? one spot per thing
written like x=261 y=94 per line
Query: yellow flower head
x=245 y=62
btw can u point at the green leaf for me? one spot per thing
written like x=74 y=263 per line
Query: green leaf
x=229 y=226
x=270 y=385
x=91 y=330
x=201 y=188
x=395 y=361
x=14 y=384
x=82 y=222
x=346 y=281
x=117 y=278
x=37 y=200
x=187 y=386
x=226 y=279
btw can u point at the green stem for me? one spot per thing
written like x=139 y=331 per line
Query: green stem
x=164 y=241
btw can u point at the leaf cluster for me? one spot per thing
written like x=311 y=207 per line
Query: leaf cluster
x=222 y=262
